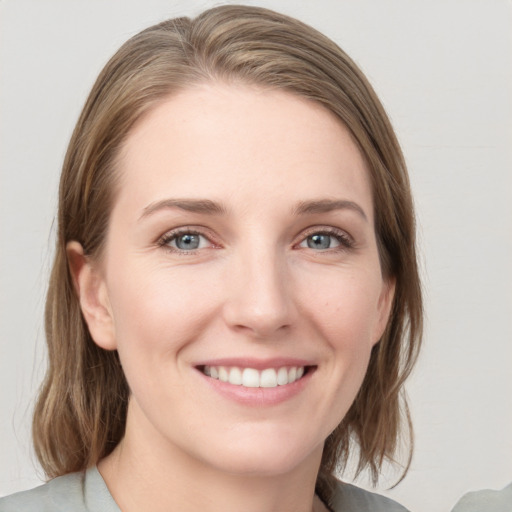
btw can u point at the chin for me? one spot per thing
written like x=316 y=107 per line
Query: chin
x=267 y=458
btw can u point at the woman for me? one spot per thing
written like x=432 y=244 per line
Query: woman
x=234 y=303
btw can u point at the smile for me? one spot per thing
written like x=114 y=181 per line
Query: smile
x=252 y=378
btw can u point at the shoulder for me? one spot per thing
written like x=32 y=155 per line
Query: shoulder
x=60 y=494
x=488 y=500
x=349 y=498
x=76 y=492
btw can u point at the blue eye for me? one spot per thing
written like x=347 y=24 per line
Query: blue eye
x=185 y=241
x=321 y=241
x=327 y=239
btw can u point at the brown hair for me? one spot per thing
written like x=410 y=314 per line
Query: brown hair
x=81 y=411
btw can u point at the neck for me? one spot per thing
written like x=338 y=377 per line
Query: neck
x=146 y=473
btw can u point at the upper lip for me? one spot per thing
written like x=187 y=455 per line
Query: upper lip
x=257 y=364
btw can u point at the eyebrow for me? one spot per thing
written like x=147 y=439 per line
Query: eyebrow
x=328 y=205
x=190 y=205
x=206 y=206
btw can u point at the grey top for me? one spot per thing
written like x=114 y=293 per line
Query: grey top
x=76 y=492
x=87 y=492
x=486 y=501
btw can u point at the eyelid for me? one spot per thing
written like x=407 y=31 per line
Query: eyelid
x=345 y=239
x=174 y=233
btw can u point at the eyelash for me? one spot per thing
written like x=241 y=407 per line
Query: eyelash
x=345 y=241
x=166 y=239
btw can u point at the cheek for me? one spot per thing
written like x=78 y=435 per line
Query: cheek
x=344 y=304
x=345 y=315
x=157 y=314
x=158 y=310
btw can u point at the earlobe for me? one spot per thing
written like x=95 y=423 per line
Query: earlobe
x=385 y=305
x=91 y=290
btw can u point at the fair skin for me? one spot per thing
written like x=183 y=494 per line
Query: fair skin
x=240 y=247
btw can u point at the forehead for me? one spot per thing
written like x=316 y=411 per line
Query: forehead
x=241 y=142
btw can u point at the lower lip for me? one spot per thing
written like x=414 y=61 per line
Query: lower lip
x=258 y=396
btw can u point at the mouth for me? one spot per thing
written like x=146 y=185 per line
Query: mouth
x=253 y=378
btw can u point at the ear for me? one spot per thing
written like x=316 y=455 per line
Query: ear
x=384 y=306
x=91 y=291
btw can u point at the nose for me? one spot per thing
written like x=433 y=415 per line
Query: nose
x=259 y=296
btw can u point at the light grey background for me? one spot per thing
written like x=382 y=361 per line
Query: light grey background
x=443 y=69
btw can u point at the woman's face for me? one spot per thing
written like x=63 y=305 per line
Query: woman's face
x=241 y=281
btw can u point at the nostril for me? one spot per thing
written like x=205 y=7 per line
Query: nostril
x=263 y=325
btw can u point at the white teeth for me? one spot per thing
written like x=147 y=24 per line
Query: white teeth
x=282 y=376
x=251 y=378
x=268 y=378
x=235 y=376
x=223 y=374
